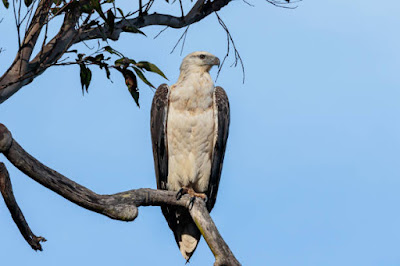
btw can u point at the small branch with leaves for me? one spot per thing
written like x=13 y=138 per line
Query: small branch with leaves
x=122 y=65
x=83 y=21
x=120 y=206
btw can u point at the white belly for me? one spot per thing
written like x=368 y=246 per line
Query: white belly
x=190 y=137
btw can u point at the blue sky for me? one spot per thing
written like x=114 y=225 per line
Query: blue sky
x=311 y=175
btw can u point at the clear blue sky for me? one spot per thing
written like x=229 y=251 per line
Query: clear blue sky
x=311 y=175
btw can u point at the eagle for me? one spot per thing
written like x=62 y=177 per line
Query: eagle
x=189 y=130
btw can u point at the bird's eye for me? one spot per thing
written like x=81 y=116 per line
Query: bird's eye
x=202 y=56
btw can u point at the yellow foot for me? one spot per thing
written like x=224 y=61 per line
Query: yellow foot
x=191 y=193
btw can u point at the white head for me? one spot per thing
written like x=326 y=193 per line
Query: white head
x=200 y=61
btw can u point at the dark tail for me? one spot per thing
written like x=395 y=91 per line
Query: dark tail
x=186 y=233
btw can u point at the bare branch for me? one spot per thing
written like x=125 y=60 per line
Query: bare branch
x=238 y=58
x=200 y=10
x=121 y=206
x=16 y=213
x=183 y=36
x=284 y=3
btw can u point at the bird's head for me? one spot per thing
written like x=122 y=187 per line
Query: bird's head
x=202 y=61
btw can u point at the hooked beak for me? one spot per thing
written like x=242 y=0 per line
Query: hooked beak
x=216 y=61
x=213 y=61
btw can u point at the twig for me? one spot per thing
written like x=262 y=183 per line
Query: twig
x=183 y=36
x=248 y=3
x=161 y=31
x=283 y=4
x=238 y=58
x=180 y=3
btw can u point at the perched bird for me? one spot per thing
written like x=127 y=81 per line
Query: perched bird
x=189 y=130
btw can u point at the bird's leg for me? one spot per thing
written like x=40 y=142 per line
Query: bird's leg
x=191 y=193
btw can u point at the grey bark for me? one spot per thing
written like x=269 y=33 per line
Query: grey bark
x=120 y=206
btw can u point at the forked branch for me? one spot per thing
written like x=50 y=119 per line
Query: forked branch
x=26 y=67
x=200 y=10
x=120 y=206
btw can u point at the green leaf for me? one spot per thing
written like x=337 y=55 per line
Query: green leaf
x=28 y=2
x=112 y=51
x=96 y=6
x=86 y=8
x=99 y=58
x=86 y=77
x=132 y=29
x=131 y=61
x=54 y=10
x=110 y=20
x=142 y=77
x=80 y=56
x=131 y=83
x=135 y=96
x=57 y=2
x=121 y=62
x=89 y=59
x=107 y=71
x=6 y=3
x=125 y=62
x=120 y=11
x=151 y=67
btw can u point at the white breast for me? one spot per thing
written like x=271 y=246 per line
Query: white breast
x=190 y=134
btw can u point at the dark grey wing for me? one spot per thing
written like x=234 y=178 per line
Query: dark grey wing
x=222 y=104
x=178 y=218
x=158 y=124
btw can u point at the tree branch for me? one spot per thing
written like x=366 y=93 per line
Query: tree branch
x=13 y=79
x=16 y=213
x=200 y=10
x=120 y=206
x=34 y=29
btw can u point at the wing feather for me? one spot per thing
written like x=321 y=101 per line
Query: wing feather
x=158 y=124
x=222 y=104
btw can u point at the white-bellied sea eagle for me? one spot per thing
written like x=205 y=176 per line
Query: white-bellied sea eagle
x=189 y=130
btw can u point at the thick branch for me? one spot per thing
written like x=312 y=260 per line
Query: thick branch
x=14 y=80
x=34 y=29
x=200 y=10
x=120 y=206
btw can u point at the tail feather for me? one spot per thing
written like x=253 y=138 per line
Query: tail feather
x=189 y=237
x=186 y=233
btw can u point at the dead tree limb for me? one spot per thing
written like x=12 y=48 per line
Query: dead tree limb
x=120 y=206
x=16 y=213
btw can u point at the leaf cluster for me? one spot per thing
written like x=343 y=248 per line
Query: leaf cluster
x=129 y=68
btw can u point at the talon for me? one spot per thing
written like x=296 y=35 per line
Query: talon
x=191 y=202
x=179 y=194
x=205 y=199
